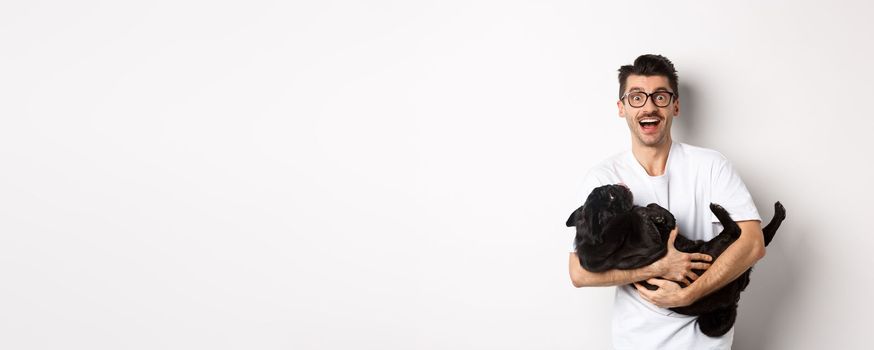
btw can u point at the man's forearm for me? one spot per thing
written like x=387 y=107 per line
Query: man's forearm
x=584 y=278
x=736 y=259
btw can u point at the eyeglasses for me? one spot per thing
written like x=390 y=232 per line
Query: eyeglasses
x=638 y=98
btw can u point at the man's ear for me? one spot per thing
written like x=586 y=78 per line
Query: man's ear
x=575 y=217
x=621 y=107
x=677 y=108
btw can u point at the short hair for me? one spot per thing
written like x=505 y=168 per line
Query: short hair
x=650 y=65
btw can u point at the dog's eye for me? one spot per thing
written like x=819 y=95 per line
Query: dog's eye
x=611 y=196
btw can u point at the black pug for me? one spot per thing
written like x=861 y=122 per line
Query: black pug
x=612 y=233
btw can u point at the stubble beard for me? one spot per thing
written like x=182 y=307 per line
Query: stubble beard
x=654 y=140
x=651 y=140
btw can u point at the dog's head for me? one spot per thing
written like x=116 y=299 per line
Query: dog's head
x=603 y=204
x=661 y=218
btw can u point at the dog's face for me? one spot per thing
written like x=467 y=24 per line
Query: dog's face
x=603 y=204
x=663 y=220
x=616 y=198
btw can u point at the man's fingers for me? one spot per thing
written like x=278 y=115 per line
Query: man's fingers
x=643 y=291
x=656 y=282
x=700 y=266
x=673 y=237
x=701 y=257
x=692 y=276
x=676 y=277
x=640 y=288
x=684 y=281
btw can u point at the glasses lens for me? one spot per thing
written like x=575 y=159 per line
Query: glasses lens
x=661 y=99
x=636 y=99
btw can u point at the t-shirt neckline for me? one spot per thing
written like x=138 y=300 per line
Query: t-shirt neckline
x=664 y=176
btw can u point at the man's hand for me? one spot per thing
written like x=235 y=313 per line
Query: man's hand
x=677 y=266
x=668 y=295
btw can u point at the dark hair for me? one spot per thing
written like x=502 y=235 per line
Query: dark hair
x=650 y=65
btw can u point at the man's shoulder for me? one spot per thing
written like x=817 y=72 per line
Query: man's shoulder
x=701 y=155
x=607 y=170
x=610 y=164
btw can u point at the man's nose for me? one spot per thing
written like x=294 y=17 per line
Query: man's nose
x=649 y=105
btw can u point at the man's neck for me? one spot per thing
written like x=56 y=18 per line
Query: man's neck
x=653 y=159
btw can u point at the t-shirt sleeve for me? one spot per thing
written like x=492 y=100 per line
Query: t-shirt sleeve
x=593 y=179
x=731 y=193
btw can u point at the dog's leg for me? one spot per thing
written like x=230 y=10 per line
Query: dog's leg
x=729 y=226
x=771 y=229
x=717 y=323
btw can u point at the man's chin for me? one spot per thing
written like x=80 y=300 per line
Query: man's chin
x=651 y=140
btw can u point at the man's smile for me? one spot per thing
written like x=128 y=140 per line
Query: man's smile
x=649 y=124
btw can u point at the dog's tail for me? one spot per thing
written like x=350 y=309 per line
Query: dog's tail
x=771 y=229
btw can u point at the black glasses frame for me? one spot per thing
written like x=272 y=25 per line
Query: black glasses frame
x=647 y=98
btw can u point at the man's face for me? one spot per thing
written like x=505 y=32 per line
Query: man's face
x=647 y=134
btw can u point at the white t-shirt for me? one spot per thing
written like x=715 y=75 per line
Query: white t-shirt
x=694 y=177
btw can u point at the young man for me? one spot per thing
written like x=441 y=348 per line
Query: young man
x=683 y=179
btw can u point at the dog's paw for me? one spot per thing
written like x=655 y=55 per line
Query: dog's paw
x=779 y=211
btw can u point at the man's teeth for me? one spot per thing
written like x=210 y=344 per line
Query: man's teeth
x=649 y=120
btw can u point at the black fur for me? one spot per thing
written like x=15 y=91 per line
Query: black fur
x=612 y=233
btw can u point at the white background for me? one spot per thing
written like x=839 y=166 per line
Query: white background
x=396 y=175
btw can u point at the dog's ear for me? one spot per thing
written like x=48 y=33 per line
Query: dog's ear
x=588 y=217
x=655 y=206
x=575 y=217
x=592 y=224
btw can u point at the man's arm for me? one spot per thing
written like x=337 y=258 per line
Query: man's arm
x=583 y=278
x=675 y=265
x=737 y=258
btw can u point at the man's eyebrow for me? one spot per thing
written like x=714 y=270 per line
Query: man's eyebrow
x=635 y=89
